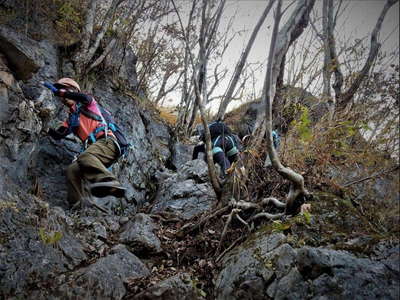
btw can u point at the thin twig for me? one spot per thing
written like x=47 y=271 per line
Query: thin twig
x=229 y=248
x=372 y=176
x=188 y=229
x=228 y=222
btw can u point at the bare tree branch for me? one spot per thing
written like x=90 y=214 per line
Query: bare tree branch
x=106 y=51
x=374 y=49
x=198 y=97
x=241 y=63
x=276 y=55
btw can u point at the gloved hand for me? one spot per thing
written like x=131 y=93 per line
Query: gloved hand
x=50 y=87
x=58 y=134
x=56 y=91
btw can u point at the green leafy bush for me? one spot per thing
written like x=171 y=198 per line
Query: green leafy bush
x=302 y=126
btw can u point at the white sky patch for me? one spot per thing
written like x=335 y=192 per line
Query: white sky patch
x=357 y=22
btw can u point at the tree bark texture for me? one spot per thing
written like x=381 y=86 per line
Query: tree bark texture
x=276 y=54
x=347 y=96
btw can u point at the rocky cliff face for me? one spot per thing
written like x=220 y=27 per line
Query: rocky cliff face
x=267 y=267
x=43 y=242
x=28 y=110
x=49 y=251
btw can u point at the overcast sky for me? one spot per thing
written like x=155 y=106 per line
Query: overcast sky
x=357 y=21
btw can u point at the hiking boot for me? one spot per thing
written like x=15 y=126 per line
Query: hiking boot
x=108 y=188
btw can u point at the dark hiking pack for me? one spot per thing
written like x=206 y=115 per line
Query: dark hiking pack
x=233 y=150
x=216 y=128
x=108 y=124
x=219 y=128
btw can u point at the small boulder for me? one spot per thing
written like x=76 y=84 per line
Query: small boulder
x=105 y=278
x=139 y=235
x=186 y=194
x=21 y=53
x=178 y=287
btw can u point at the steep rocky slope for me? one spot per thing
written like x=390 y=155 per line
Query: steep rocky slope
x=135 y=248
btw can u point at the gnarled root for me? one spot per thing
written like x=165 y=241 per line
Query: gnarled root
x=295 y=199
x=267 y=216
x=274 y=201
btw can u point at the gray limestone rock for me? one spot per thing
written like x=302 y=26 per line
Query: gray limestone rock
x=185 y=194
x=21 y=52
x=28 y=254
x=194 y=169
x=267 y=267
x=185 y=199
x=181 y=154
x=252 y=261
x=122 y=60
x=105 y=278
x=178 y=287
x=349 y=276
x=139 y=235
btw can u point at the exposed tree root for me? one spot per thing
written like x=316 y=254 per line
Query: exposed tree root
x=274 y=201
x=267 y=216
x=239 y=206
x=236 y=242
x=188 y=228
x=233 y=213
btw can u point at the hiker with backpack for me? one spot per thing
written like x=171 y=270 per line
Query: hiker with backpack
x=102 y=143
x=226 y=145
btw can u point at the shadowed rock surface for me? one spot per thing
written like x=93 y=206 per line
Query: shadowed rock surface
x=139 y=235
x=180 y=286
x=48 y=251
x=185 y=194
x=266 y=266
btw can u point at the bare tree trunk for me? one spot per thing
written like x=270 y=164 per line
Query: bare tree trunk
x=185 y=98
x=293 y=28
x=331 y=58
x=208 y=30
x=278 y=101
x=87 y=50
x=274 y=59
x=198 y=97
x=345 y=98
x=328 y=43
x=89 y=23
x=239 y=67
x=87 y=32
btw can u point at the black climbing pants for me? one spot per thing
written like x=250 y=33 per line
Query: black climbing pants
x=220 y=157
